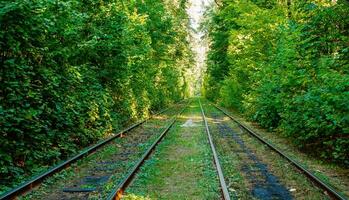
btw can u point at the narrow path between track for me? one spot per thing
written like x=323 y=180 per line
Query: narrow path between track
x=182 y=167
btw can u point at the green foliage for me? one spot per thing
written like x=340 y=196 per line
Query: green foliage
x=74 y=71
x=286 y=66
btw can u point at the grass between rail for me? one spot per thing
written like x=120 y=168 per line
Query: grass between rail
x=181 y=167
x=116 y=165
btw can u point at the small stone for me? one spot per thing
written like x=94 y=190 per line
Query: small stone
x=232 y=190
x=189 y=123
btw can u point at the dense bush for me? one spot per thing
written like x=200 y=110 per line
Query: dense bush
x=286 y=66
x=74 y=71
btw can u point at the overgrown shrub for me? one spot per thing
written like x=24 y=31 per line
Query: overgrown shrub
x=287 y=69
x=73 y=72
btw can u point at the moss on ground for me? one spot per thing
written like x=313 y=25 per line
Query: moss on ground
x=182 y=166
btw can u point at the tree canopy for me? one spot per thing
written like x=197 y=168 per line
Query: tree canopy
x=73 y=72
x=284 y=64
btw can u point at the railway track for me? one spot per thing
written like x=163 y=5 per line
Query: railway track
x=224 y=188
x=112 y=168
x=312 y=177
x=117 y=192
x=90 y=181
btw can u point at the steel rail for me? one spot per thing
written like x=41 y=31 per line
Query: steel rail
x=224 y=187
x=118 y=191
x=329 y=189
x=28 y=185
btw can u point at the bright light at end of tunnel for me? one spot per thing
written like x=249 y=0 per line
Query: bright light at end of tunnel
x=196 y=10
